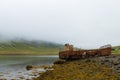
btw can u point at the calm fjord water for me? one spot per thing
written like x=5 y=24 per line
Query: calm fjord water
x=18 y=62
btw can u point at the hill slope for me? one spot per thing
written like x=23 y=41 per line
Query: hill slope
x=29 y=47
x=116 y=50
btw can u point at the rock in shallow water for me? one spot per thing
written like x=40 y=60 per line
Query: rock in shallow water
x=29 y=67
x=59 y=62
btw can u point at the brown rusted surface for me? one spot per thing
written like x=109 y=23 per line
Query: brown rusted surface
x=78 y=54
x=71 y=54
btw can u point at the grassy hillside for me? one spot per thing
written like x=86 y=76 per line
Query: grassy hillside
x=29 y=47
x=116 y=50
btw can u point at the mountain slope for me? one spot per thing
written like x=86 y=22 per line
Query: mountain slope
x=29 y=47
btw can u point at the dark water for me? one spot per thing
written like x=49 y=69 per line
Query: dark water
x=19 y=62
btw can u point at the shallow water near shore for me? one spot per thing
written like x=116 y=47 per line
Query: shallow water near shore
x=13 y=66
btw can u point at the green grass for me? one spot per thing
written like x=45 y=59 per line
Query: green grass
x=116 y=50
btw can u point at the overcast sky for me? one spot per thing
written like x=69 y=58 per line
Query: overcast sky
x=83 y=23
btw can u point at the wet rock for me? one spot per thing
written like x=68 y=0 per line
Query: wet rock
x=21 y=77
x=29 y=67
x=108 y=64
x=59 y=62
x=106 y=60
x=113 y=56
x=102 y=63
x=79 y=64
x=3 y=79
x=107 y=56
x=118 y=67
x=48 y=67
x=87 y=60
x=115 y=62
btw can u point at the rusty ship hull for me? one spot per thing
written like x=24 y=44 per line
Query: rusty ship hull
x=79 y=54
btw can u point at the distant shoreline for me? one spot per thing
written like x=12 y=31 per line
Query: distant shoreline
x=31 y=54
x=28 y=53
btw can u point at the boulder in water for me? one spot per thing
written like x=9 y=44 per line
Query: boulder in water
x=59 y=62
x=29 y=67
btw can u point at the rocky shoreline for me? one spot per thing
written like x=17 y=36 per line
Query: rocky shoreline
x=98 y=68
x=25 y=75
